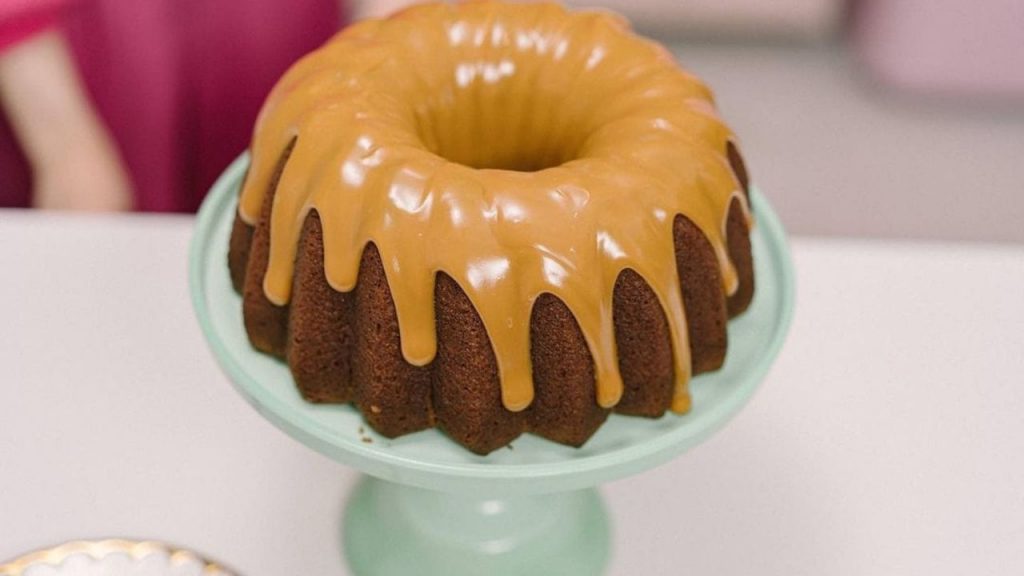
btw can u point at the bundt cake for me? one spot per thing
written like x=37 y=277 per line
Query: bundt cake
x=493 y=219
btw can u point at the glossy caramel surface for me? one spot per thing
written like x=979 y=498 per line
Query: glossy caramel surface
x=520 y=149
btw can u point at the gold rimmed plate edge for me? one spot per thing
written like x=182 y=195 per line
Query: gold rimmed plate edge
x=100 y=549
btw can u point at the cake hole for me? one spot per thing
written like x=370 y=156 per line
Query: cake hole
x=488 y=115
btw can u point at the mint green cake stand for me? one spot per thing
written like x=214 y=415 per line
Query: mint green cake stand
x=427 y=506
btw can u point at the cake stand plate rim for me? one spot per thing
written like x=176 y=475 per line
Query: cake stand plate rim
x=560 y=474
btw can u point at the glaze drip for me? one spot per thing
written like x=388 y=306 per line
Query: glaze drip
x=519 y=149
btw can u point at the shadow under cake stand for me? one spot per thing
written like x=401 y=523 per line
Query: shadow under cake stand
x=426 y=505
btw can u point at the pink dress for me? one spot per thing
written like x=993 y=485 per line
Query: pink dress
x=178 y=82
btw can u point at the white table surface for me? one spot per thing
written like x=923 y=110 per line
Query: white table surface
x=888 y=439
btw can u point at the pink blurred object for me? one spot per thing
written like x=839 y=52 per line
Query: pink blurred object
x=177 y=82
x=946 y=47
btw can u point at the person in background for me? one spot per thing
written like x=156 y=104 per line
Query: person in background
x=112 y=105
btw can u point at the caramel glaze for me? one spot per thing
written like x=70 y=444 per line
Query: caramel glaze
x=520 y=150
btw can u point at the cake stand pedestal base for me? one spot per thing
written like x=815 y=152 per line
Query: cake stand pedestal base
x=396 y=530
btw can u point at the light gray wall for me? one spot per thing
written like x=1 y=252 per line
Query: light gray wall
x=838 y=156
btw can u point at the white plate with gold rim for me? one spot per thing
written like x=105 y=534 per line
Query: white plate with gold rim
x=113 y=558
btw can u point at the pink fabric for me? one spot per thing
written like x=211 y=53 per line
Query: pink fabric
x=179 y=84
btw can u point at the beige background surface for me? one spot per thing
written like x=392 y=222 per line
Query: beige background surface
x=839 y=156
x=793 y=18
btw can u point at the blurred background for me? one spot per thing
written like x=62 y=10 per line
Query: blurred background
x=875 y=118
